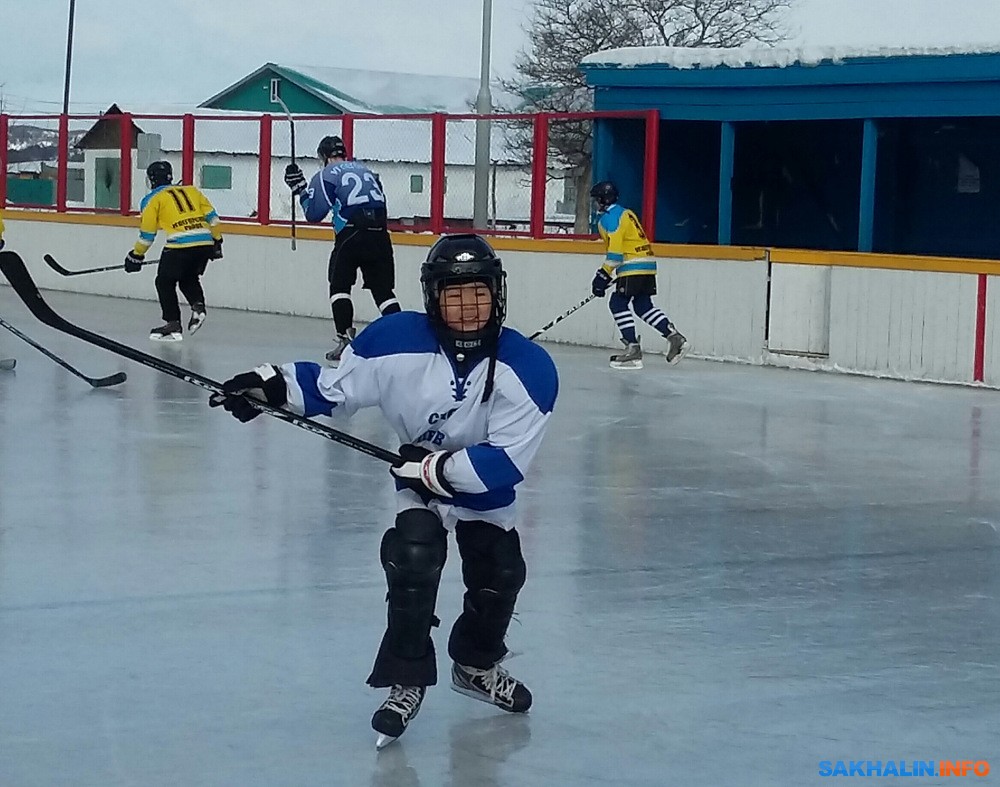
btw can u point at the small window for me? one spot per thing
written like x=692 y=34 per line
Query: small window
x=416 y=184
x=214 y=176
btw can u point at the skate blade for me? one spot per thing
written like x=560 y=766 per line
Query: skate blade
x=626 y=365
x=170 y=338
x=677 y=358
x=383 y=741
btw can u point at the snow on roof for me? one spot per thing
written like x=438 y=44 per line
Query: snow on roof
x=764 y=57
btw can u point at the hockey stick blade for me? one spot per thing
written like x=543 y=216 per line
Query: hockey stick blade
x=51 y=262
x=96 y=382
x=561 y=317
x=7 y=364
x=12 y=267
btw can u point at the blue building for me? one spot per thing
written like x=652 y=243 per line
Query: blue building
x=894 y=151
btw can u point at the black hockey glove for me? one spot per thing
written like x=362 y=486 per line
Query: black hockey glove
x=133 y=262
x=602 y=280
x=422 y=470
x=216 y=250
x=294 y=179
x=264 y=383
x=2 y=244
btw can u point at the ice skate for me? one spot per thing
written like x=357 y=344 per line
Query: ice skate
x=393 y=715
x=168 y=332
x=630 y=359
x=197 y=317
x=677 y=346
x=493 y=685
x=343 y=341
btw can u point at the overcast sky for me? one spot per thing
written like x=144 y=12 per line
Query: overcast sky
x=135 y=52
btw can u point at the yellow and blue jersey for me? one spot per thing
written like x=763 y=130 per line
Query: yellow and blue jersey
x=629 y=252
x=183 y=212
x=1 y=224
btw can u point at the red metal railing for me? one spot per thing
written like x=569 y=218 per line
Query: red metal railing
x=425 y=162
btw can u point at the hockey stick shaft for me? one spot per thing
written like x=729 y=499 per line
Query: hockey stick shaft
x=291 y=129
x=561 y=317
x=6 y=364
x=97 y=382
x=12 y=266
x=52 y=263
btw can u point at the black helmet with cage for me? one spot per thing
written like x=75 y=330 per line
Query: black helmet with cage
x=160 y=173
x=605 y=194
x=462 y=259
x=331 y=147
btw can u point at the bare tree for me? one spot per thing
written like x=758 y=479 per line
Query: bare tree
x=563 y=32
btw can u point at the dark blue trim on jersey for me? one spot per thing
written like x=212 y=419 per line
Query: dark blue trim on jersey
x=494 y=468
x=402 y=333
x=533 y=367
x=307 y=376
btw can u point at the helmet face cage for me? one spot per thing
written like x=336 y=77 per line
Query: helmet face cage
x=604 y=193
x=464 y=259
x=159 y=173
x=331 y=147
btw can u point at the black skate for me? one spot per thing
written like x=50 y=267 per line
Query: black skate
x=677 y=346
x=399 y=709
x=630 y=359
x=168 y=332
x=197 y=317
x=493 y=685
x=343 y=342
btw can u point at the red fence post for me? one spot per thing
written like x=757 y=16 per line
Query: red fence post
x=187 y=150
x=439 y=135
x=62 y=163
x=4 y=155
x=980 y=348
x=347 y=134
x=539 y=175
x=650 y=173
x=125 y=151
x=264 y=171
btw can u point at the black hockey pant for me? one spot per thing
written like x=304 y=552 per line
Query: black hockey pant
x=180 y=268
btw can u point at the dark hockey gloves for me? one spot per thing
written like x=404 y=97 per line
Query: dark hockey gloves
x=295 y=180
x=216 y=250
x=423 y=470
x=133 y=262
x=602 y=280
x=264 y=383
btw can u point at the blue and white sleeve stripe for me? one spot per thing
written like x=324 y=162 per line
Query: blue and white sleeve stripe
x=304 y=397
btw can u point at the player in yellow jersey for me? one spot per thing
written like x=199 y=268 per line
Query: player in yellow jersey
x=630 y=258
x=1 y=231
x=193 y=238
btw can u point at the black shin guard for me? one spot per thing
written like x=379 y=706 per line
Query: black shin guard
x=413 y=554
x=494 y=572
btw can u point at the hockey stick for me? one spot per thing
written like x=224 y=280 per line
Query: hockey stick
x=7 y=364
x=97 y=382
x=50 y=260
x=561 y=317
x=276 y=99
x=12 y=266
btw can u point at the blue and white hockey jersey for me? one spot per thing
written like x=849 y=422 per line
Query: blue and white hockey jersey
x=397 y=364
x=343 y=188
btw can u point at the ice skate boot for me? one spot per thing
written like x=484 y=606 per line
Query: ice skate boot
x=343 y=341
x=399 y=709
x=630 y=359
x=168 y=332
x=493 y=685
x=677 y=346
x=197 y=317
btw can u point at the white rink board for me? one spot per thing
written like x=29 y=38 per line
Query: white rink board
x=893 y=323
x=906 y=324
x=991 y=360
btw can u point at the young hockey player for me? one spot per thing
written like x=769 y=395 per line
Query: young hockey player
x=193 y=238
x=470 y=402
x=353 y=193
x=1 y=231
x=630 y=256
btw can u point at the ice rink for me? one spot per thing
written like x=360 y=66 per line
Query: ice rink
x=734 y=573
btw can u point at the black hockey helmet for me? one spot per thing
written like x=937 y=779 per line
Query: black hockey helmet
x=331 y=147
x=460 y=259
x=604 y=193
x=160 y=173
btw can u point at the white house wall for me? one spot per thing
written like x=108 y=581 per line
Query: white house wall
x=896 y=323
